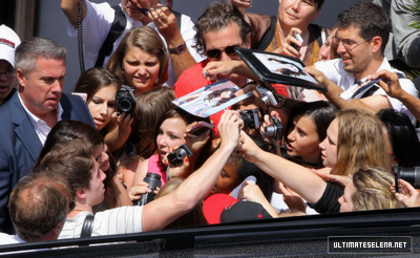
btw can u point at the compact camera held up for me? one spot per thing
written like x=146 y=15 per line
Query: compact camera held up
x=275 y=130
x=125 y=100
x=154 y=181
x=176 y=157
x=251 y=118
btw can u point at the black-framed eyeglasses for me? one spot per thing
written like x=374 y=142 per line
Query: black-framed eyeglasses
x=8 y=73
x=215 y=53
x=348 y=44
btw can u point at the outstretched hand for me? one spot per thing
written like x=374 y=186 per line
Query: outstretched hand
x=389 y=82
x=407 y=195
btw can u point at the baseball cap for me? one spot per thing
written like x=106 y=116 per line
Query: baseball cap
x=9 y=41
x=223 y=208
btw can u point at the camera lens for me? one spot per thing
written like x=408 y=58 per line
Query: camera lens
x=411 y=175
x=270 y=130
x=125 y=105
x=248 y=123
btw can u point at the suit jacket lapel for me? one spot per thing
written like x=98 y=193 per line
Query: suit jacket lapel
x=24 y=130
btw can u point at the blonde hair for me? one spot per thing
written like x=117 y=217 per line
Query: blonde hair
x=195 y=217
x=373 y=190
x=360 y=143
x=147 y=40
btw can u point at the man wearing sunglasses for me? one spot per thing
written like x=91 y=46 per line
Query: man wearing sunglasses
x=98 y=19
x=363 y=31
x=220 y=29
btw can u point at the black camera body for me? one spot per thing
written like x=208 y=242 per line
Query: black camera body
x=176 y=157
x=275 y=130
x=411 y=175
x=124 y=100
x=154 y=181
x=251 y=118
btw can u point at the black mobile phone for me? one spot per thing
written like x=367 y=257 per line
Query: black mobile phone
x=162 y=2
x=200 y=128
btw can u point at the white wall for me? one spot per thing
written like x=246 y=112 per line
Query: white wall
x=52 y=23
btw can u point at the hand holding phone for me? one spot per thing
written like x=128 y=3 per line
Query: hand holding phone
x=299 y=38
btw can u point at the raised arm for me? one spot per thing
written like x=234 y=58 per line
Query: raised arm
x=372 y=103
x=391 y=85
x=160 y=212
x=71 y=10
x=167 y=25
x=300 y=179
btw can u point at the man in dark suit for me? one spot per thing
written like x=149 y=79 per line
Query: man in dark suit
x=27 y=118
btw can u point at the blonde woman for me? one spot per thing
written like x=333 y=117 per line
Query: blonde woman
x=354 y=140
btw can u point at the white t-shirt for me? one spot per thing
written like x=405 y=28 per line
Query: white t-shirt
x=98 y=21
x=334 y=70
x=6 y=239
x=122 y=220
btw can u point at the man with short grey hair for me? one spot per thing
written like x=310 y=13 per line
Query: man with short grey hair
x=27 y=118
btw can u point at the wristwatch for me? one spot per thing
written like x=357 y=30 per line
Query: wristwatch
x=178 y=49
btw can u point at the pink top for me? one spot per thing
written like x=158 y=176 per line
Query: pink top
x=156 y=166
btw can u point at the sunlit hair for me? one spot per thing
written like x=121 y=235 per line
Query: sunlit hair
x=146 y=39
x=94 y=79
x=154 y=103
x=38 y=203
x=195 y=217
x=217 y=16
x=29 y=50
x=72 y=160
x=373 y=190
x=360 y=143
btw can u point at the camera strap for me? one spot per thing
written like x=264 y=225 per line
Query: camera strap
x=137 y=103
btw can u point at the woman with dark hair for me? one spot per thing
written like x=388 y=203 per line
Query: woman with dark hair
x=405 y=145
x=305 y=130
x=171 y=132
x=101 y=86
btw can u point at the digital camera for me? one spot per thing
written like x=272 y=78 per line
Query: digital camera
x=275 y=130
x=251 y=119
x=176 y=157
x=154 y=181
x=124 y=100
x=411 y=175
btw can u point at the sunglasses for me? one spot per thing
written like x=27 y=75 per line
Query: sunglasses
x=144 y=11
x=217 y=52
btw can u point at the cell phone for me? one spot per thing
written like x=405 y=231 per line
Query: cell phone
x=200 y=128
x=166 y=3
x=299 y=38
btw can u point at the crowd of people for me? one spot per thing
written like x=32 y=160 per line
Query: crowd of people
x=76 y=165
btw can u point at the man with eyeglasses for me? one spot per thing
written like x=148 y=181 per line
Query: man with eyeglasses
x=98 y=19
x=37 y=192
x=9 y=41
x=363 y=31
